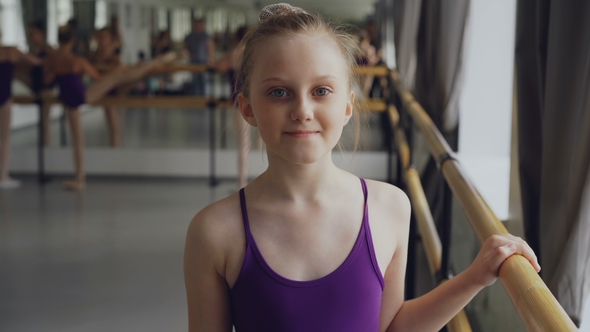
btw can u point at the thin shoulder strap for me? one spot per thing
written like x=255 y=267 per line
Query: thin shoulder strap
x=365 y=191
x=366 y=208
x=369 y=237
x=245 y=215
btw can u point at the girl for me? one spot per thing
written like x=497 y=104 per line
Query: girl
x=9 y=56
x=66 y=69
x=307 y=246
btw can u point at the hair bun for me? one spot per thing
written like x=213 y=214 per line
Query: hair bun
x=278 y=9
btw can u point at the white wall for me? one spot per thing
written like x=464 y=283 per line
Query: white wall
x=134 y=27
x=12 y=28
x=486 y=101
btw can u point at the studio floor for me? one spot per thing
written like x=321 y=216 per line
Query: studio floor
x=108 y=259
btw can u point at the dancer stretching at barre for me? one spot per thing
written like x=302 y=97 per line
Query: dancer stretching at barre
x=107 y=61
x=66 y=70
x=307 y=246
x=9 y=56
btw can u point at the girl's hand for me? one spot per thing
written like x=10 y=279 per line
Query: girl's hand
x=494 y=252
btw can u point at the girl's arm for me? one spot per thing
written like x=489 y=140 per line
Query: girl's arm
x=28 y=58
x=435 y=309
x=206 y=287
x=89 y=69
x=49 y=71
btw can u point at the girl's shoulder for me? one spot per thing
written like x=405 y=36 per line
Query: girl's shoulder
x=388 y=200
x=387 y=191
x=217 y=231
x=221 y=216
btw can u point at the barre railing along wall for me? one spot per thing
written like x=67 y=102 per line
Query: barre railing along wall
x=536 y=305
x=424 y=220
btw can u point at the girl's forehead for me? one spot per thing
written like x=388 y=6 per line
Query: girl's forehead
x=312 y=37
x=305 y=50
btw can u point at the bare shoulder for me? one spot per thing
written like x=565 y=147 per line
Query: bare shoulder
x=213 y=246
x=390 y=200
x=389 y=218
x=215 y=233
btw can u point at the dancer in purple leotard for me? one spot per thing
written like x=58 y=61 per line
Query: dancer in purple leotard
x=66 y=70
x=9 y=56
x=306 y=246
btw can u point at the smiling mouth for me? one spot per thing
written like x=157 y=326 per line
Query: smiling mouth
x=302 y=133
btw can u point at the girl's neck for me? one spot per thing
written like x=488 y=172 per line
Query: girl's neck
x=287 y=181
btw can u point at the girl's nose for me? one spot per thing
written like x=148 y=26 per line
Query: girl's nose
x=302 y=110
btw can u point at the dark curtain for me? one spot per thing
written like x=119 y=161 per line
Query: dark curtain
x=553 y=93
x=438 y=78
x=34 y=10
x=406 y=20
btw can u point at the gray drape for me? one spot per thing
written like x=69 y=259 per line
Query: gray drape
x=406 y=19
x=553 y=84
x=430 y=47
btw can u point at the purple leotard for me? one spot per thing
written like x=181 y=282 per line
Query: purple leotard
x=6 y=73
x=72 y=91
x=346 y=300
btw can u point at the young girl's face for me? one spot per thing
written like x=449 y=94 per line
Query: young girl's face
x=300 y=96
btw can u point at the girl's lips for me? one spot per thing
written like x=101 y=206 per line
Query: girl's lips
x=302 y=133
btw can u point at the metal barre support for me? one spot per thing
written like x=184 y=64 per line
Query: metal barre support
x=212 y=144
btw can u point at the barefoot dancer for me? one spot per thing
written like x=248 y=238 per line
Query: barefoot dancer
x=67 y=70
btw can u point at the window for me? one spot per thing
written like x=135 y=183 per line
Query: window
x=181 y=23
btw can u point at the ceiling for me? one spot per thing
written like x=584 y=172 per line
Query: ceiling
x=339 y=9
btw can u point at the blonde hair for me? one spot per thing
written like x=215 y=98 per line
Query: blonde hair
x=283 y=20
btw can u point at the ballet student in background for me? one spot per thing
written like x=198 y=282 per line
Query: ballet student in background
x=307 y=246
x=67 y=69
x=9 y=57
x=107 y=60
x=228 y=64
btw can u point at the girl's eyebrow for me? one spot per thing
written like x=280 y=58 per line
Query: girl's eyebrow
x=319 y=78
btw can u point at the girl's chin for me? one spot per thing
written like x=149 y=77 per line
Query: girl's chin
x=304 y=158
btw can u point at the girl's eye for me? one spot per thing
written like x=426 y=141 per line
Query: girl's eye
x=278 y=93
x=322 y=92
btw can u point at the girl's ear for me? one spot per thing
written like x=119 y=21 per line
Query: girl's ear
x=246 y=109
x=349 y=108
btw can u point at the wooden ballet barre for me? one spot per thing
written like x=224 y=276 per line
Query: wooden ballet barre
x=373 y=105
x=162 y=102
x=536 y=305
x=139 y=101
x=192 y=101
x=24 y=99
x=424 y=219
x=193 y=68
x=379 y=71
